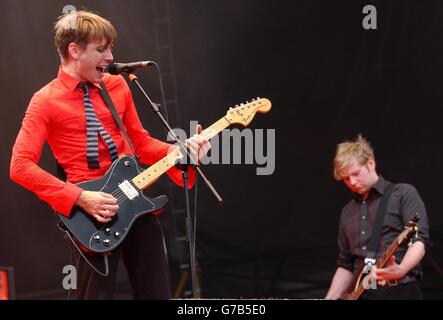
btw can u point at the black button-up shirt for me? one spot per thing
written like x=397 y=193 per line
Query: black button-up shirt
x=358 y=217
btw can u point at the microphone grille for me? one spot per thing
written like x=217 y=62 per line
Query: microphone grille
x=112 y=69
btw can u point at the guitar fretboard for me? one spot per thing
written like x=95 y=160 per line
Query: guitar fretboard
x=215 y=129
x=150 y=175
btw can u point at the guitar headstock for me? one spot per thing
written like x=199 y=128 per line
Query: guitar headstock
x=245 y=112
x=410 y=228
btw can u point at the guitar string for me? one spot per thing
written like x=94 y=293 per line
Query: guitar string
x=118 y=192
x=121 y=196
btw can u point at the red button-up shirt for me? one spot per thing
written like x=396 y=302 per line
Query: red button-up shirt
x=56 y=114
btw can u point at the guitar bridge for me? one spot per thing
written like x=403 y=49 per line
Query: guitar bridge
x=128 y=189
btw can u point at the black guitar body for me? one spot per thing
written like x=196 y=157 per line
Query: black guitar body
x=104 y=237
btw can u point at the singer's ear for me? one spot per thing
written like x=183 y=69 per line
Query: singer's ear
x=73 y=50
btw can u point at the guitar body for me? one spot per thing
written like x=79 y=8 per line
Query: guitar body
x=361 y=280
x=103 y=237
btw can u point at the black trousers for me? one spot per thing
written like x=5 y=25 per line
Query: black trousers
x=144 y=256
x=407 y=291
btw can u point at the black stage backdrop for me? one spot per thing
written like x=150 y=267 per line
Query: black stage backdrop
x=328 y=80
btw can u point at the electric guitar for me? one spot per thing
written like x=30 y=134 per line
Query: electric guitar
x=125 y=180
x=364 y=279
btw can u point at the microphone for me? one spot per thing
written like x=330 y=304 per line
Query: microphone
x=117 y=68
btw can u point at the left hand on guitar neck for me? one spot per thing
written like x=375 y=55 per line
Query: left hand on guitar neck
x=198 y=144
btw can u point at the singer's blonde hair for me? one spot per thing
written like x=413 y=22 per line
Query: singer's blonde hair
x=81 y=27
x=358 y=149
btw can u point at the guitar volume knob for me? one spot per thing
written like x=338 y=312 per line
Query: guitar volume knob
x=107 y=231
x=106 y=242
x=117 y=235
x=96 y=238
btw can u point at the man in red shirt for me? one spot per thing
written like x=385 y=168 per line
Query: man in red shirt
x=58 y=114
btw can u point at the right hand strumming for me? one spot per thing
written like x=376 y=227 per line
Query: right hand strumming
x=102 y=206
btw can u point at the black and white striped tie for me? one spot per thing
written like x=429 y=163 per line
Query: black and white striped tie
x=93 y=127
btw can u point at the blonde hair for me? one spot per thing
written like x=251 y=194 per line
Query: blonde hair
x=358 y=149
x=81 y=27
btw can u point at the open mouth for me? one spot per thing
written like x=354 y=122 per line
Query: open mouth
x=101 y=69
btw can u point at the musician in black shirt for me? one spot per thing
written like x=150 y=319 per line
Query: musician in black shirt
x=354 y=163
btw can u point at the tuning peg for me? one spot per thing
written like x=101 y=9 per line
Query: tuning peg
x=253 y=99
x=258 y=98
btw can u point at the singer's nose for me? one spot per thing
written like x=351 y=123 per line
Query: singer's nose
x=109 y=57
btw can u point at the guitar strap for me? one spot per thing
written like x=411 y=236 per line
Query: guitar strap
x=378 y=225
x=107 y=98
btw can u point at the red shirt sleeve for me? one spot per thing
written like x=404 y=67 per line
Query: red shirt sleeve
x=26 y=154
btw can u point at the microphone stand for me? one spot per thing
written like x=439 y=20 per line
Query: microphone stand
x=183 y=166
